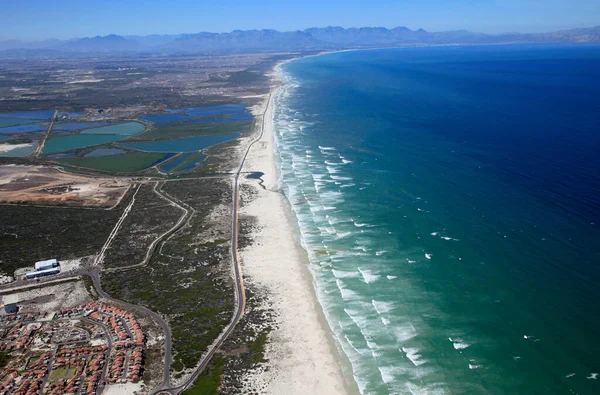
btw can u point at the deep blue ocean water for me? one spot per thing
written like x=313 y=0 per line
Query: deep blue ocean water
x=449 y=200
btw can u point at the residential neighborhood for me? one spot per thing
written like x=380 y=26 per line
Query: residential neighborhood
x=76 y=350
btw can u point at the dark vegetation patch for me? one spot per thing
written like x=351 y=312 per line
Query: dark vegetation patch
x=29 y=234
x=188 y=279
x=129 y=162
x=198 y=129
x=244 y=349
x=150 y=217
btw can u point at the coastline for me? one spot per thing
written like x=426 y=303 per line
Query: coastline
x=301 y=352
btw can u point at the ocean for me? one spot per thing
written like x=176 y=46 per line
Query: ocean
x=449 y=202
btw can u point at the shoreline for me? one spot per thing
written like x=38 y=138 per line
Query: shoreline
x=302 y=354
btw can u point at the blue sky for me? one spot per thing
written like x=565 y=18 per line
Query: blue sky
x=63 y=19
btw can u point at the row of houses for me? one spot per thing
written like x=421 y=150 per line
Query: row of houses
x=85 y=364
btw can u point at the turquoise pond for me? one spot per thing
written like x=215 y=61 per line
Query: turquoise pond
x=69 y=114
x=40 y=115
x=77 y=125
x=180 y=160
x=2 y=138
x=4 y=122
x=68 y=143
x=29 y=128
x=187 y=144
x=124 y=129
x=19 y=151
x=105 y=152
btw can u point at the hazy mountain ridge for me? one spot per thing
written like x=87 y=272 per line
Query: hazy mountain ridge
x=331 y=37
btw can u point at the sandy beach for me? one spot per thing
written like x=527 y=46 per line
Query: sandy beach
x=301 y=354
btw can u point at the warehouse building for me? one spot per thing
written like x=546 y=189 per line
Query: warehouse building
x=42 y=273
x=48 y=264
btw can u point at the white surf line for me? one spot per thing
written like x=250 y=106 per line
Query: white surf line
x=100 y=258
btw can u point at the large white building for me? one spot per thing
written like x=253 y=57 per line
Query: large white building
x=43 y=265
x=42 y=273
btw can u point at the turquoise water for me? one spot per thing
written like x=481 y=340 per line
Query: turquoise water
x=187 y=144
x=191 y=164
x=2 y=138
x=449 y=201
x=15 y=121
x=124 y=129
x=68 y=143
x=178 y=161
x=105 y=152
x=77 y=125
x=20 y=151
x=69 y=114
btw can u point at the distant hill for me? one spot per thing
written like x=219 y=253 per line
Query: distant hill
x=247 y=39
x=272 y=40
x=110 y=43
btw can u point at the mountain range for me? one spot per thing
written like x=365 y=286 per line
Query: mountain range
x=272 y=40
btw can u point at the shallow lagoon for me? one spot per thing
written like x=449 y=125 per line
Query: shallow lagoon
x=29 y=128
x=187 y=144
x=62 y=156
x=77 y=126
x=124 y=129
x=180 y=160
x=236 y=112
x=105 y=152
x=18 y=151
x=67 y=143
x=69 y=114
x=4 y=122
x=29 y=114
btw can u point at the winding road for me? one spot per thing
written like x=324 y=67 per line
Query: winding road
x=240 y=297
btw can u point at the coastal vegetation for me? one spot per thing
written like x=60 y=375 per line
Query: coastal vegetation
x=187 y=280
x=196 y=129
x=31 y=233
x=130 y=162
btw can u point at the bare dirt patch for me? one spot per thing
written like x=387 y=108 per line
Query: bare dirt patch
x=47 y=185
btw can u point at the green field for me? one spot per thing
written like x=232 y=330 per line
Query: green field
x=62 y=373
x=131 y=161
x=198 y=129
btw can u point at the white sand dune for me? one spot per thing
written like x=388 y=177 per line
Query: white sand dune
x=302 y=358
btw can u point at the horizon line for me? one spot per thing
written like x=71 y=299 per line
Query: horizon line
x=286 y=31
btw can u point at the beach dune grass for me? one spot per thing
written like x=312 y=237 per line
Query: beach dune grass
x=208 y=382
x=129 y=162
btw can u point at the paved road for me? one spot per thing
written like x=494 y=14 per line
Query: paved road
x=240 y=295
x=93 y=273
x=38 y=150
x=187 y=214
